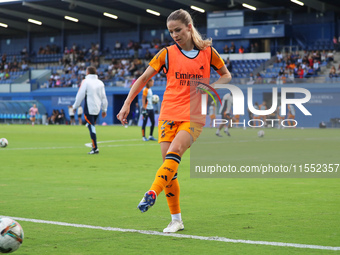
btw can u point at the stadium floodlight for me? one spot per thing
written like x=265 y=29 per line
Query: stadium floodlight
x=110 y=15
x=71 y=18
x=197 y=9
x=249 y=6
x=297 y=2
x=3 y=25
x=153 y=12
x=7 y=1
x=37 y=22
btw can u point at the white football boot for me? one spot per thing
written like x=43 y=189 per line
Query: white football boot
x=174 y=226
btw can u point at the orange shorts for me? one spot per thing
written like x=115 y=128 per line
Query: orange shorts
x=167 y=130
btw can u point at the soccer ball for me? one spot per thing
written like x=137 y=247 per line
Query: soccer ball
x=3 y=142
x=155 y=99
x=11 y=235
x=260 y=133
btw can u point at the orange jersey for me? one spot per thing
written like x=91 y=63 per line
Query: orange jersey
x=180 y=100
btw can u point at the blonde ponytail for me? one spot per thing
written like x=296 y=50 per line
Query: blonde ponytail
x=186 y=19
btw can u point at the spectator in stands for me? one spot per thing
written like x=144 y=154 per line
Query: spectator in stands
x=118 y=45
x=62 y=82
x=229 y=65
x=133 y=66
x=41 y=50
x=256 y=47
x=52 y=118
x=291 y=77
x=317 y=56
x=4 y=59
x=323 y=56
x=281 y=78
x=232 y=48
x=58 y=82
x=95 y=62
x=24 y=65
x=316 y=66
x=332 y=73
x=136 y=47
x=226 y=49
x=241 y=50
x=2 y=74
x=289 y=58
x=5 y=66
x=259 y=79
x=130 y=45
x=300 y=72
x=310 y=72
x=62 y=117
x=310 y=61
x=279 y=57
x=23 y=51
x=7 y=75
x=330 y=56
x=304 y=65
x=290 y=65
x=251 y=79
x=295 y=56
x=335 y=43
x=101 y=75
x=252 y=48
x=148 y=55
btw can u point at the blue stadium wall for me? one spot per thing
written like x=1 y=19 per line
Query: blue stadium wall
x=324 y=104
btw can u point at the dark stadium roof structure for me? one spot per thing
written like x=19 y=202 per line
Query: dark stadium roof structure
x=131 y=13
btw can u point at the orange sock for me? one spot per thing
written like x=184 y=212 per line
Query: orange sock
x=166 y=172
x=172 y=192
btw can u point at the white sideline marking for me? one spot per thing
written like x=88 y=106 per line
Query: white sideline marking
x=88 y=145
x=205 y=238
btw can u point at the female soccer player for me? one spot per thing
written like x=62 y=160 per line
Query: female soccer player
x=189 y=57
x=33 y=111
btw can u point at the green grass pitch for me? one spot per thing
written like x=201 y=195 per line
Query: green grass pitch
x=46 y=174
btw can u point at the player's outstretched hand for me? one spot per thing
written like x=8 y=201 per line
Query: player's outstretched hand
x=104 y=114
x=122 y=115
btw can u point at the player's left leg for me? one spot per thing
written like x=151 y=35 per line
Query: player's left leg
x=172 y=193
x=151 y=114
x=145 y=120
x=91 y=119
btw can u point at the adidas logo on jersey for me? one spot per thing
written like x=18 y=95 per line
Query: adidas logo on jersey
x=202 y=68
